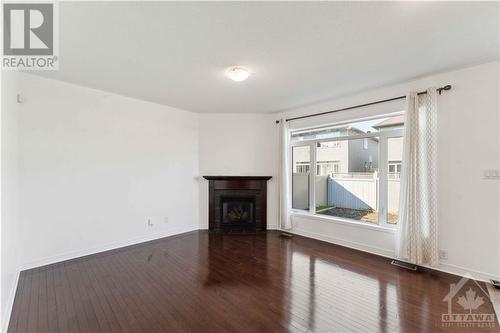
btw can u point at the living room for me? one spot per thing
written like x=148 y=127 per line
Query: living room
x=251 y=167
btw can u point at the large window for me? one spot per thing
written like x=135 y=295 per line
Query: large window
x=395 y=157
x=301 y=160
x=349 y=171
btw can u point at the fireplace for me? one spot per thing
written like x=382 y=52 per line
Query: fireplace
x=237 y=204
x=238 y=211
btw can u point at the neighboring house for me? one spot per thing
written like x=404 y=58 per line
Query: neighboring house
x=396 y=122
x=338 y=157
x=394 y=146
x=351 y=163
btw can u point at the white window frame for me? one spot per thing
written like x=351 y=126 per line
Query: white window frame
x=382 y=136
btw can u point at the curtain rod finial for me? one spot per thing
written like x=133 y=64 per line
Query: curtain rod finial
x=446 y=87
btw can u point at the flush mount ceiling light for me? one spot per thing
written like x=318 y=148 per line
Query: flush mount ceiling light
x=237 y=73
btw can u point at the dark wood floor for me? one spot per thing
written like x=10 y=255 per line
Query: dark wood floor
x=198 y=282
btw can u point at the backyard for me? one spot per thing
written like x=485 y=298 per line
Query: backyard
x=370 y=216
x=352 y=196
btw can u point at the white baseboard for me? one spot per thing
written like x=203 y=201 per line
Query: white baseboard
x=462 y=271
x=443 y=267
x=10 y=303
x=107 y=247
x=350 y=244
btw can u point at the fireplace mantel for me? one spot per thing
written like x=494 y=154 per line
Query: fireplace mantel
x=244 y=191
x=237 y=177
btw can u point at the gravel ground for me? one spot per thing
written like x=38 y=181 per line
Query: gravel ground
x=356 y=214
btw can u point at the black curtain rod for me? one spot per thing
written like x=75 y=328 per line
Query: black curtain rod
x=439 y=90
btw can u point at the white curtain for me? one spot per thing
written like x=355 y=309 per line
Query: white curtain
x=417 y=239
x=285 y=200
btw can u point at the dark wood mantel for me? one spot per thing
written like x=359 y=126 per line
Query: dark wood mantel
x=237 y=177
x=250 y=188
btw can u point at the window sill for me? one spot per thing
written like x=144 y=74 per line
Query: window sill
x=340 y=220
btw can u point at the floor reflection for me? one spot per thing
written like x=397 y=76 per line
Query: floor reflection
x=238 y=252
x=311 y=286
x=323 y=295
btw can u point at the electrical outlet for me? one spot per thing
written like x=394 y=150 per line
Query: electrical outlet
x=165 y=219
x=443 y=254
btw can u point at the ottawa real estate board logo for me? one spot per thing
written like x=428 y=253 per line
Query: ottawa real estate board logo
x=468 y=306
x=30 y=36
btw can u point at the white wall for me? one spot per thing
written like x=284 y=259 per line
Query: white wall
x=94 y=167
x=9 y=187
x=239 y=145
x=468 y=144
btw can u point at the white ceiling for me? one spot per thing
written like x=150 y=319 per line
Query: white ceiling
x=175 y=53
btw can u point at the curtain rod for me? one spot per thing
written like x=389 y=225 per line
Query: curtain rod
x=439 y=90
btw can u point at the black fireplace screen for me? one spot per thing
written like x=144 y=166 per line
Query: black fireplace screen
x=237 y=211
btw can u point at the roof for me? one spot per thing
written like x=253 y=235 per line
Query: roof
x=392 y=121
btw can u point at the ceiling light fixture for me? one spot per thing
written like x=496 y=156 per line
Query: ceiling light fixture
x=237 y=73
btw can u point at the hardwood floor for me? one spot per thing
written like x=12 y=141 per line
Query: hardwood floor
x=199 y=282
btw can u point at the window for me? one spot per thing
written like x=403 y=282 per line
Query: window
x=394 y=169
x=351 y=193
x=337 y=131
x=301 y=159
x=356 y=173
x=395 y=157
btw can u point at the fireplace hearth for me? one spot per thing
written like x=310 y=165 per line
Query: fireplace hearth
x=237 y=204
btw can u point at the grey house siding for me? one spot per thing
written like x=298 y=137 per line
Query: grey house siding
x=358 y=155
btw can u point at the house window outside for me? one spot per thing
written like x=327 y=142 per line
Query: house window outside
x=356 y=175
x=325 y=168
x=302 y=167
x=395 y=169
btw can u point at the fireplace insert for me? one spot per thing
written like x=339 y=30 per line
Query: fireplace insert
x=238 y=212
